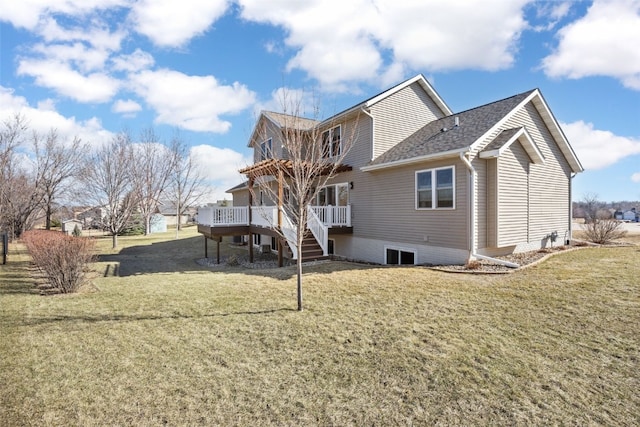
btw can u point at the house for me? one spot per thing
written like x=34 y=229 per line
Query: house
x=69 y=225
x=168 y=211
x=422 y=184
x=630 y=215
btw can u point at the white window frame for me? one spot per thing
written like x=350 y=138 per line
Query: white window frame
x=336 y=193
x=400 y=249
x=266 y=149
x=330 y=154
x=434 y=188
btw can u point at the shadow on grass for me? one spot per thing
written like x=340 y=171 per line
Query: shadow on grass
x=179 y=256
x=36 y=321
x=15 y=278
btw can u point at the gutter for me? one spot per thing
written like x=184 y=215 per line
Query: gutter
x=471 y=229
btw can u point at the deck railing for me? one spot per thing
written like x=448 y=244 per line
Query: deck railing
x=237 y=215
x=333 y=216
x=267 y=216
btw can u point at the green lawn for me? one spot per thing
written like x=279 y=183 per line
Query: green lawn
x=169 y=342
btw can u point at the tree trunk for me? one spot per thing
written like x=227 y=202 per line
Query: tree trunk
x=48 y=217
x=114 y=240
x=299 y=269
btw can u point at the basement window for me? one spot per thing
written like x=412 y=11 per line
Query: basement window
x=397 y=256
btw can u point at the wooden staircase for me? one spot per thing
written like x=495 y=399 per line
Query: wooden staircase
x=311 y=250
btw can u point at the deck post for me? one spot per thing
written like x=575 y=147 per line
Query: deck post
x=250 y=247
x=280 y=257
x=206 y=252
x=218 y=249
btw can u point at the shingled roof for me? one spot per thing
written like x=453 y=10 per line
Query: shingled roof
x=442 y=136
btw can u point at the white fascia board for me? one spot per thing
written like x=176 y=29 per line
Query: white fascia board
x=425 y=85
x=527 y=143
x=413 y=160
x=559 y=135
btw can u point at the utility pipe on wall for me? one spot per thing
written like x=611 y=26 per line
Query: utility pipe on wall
x=472 y=217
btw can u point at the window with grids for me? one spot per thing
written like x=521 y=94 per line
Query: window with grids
x=435 y=188
x=331 y=143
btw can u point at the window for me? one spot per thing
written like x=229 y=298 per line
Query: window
x=331 y=143
x=266 y=150
x=331 y=244
x=334 y=195
x=435 y=188
x=274 y=244
x=257 y=239
x=396 y=256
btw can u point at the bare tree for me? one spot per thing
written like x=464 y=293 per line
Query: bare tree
x=12 y=134
x=109 y=183
x=154 y=164
x=312 y=155
x=58 y=163
x=186 y=184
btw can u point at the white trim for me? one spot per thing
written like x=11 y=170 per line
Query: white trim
x=400 y=249
x=529 y=145
x=555 y=129
x=425 y=86
x=413 y=160
x=434 y=189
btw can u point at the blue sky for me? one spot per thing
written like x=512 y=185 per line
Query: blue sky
x=205 y=68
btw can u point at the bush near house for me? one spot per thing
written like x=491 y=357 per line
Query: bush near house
x=62 y=259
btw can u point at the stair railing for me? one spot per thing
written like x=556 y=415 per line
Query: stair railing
x=318 y=229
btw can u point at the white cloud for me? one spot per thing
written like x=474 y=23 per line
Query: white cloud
x=598 y=149
x=435 y=35
x=95 y=32
x=28 y=13
x=137 y=61
x=171 y=23
x=296 y=102
x=44 y=117
x=127 y=107
x=635 y=177
x=59 y=76
x=191 y=102
x=602 y=43
x=220 y=167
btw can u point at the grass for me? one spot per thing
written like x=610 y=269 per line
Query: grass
x=169 y=342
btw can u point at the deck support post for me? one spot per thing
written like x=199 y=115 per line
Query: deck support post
x=250 y=247
x=206 y=252
x=280 y=256
x=218 y=249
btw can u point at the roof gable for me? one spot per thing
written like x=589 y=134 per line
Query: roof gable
x=507 y=137
x=443 y=137
x=470 y=130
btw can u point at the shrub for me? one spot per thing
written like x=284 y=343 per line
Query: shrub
x=61 y=258
x=603 y=230
x=76 y=231
x=473 y=265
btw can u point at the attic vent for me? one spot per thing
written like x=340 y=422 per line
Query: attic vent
x=456 y=121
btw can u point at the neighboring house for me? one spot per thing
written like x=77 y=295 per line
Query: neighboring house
x=424 y=185
x=630 y=215
x=69 y=225
x=168 y=211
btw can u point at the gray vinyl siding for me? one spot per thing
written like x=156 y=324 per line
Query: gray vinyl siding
x=241 y=198
x=400 y=115
x=549 y=183
x=265 y=130
x=512 y=191
x=384 y=208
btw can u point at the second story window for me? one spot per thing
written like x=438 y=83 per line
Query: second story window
x=266 y=150
x=331 y=143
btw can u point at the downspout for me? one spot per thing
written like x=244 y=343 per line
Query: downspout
x=373 y=130
x=472 y=217
x=571 y=208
